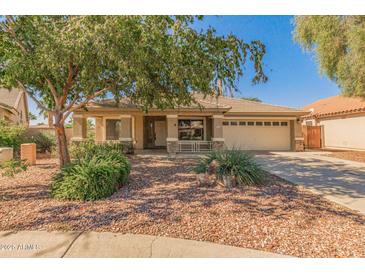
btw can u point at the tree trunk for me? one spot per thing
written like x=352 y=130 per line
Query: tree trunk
x=63 y=155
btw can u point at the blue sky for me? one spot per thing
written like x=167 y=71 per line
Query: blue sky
x=294 y=79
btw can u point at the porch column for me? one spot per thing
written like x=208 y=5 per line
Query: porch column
x=296 y=134
x=99 y=129
x=172 y=135
x=79 y=128
x=217 y=132
x=125 y=134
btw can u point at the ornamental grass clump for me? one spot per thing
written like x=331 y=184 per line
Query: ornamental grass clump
x=233 y=165
x=95 y=174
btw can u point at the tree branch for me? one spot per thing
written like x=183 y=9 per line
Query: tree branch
x=39 y=104
x=72 y=102
x=87 y=100
x=53 y=91
x=71 y=77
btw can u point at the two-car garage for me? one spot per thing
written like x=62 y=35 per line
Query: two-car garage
x=257 y=134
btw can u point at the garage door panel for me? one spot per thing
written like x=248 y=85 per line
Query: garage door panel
x=257 y=137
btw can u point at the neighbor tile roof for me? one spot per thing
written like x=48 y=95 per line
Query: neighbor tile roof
x=10 y=97
x=336 y=105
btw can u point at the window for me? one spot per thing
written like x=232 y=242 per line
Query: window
x=233 y=123
x=275 y=124
x=258 y=123
x=112 y=129
x=250 y=123
x=190 y=129
x=242 y=123
x=284 y=124
x=267 y=123
x=225 y=123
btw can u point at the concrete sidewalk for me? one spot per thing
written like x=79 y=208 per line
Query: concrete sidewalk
x=341 y=181
x=113 y=245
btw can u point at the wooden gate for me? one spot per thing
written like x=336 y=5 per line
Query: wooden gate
x=312 y=136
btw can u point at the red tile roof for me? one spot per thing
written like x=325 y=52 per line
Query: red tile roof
x=336 y=105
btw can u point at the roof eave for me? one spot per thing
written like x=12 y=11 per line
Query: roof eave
x=269 y=113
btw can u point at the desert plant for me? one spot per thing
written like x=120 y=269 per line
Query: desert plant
x=85 y=149
x=45 y=142
x=11 y=135
x=233 y=163
x=11 y=167
x=95 y=174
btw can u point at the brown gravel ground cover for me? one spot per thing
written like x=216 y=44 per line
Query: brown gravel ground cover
x=163 y=199
x=352 y=155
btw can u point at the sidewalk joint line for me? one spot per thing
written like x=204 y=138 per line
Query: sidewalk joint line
x=73 y=241
x=152 y=242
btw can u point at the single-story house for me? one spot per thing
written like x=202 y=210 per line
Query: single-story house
x=14 y=106
x=217 y=123
x=342 y=121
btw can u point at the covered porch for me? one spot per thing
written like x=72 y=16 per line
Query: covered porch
x=174 y=133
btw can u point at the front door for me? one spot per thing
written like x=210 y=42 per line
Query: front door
x=160 y=133
x=154 y=131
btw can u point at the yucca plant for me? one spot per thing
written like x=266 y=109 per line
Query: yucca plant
x=233 y=163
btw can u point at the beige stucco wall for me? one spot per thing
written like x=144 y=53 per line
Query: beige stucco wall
x=172 y=132
x=6 y=154
x=8 y=116
x=344 y=132
x=2 y=113
x=99 y=129
x=257 y=138
x=138 y=131
x=79 y=127
x=22 y=117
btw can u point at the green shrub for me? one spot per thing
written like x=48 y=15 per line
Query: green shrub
x=11 y=167
x=240 y=165
x=11 y=135
x=45 y=142
x=95 y=174
x=88 y=148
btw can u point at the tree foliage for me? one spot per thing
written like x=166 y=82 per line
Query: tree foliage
x=32 y=116
x=64 y=62
x=339 y=43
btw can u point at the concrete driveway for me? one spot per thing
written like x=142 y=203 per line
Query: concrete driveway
x=338 y=180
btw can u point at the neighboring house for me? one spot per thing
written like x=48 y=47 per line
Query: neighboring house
x=221 y=122
x=14 y=106
x=342 y=120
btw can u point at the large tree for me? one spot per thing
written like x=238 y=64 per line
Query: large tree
x=64 y=62
x=339 y=43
